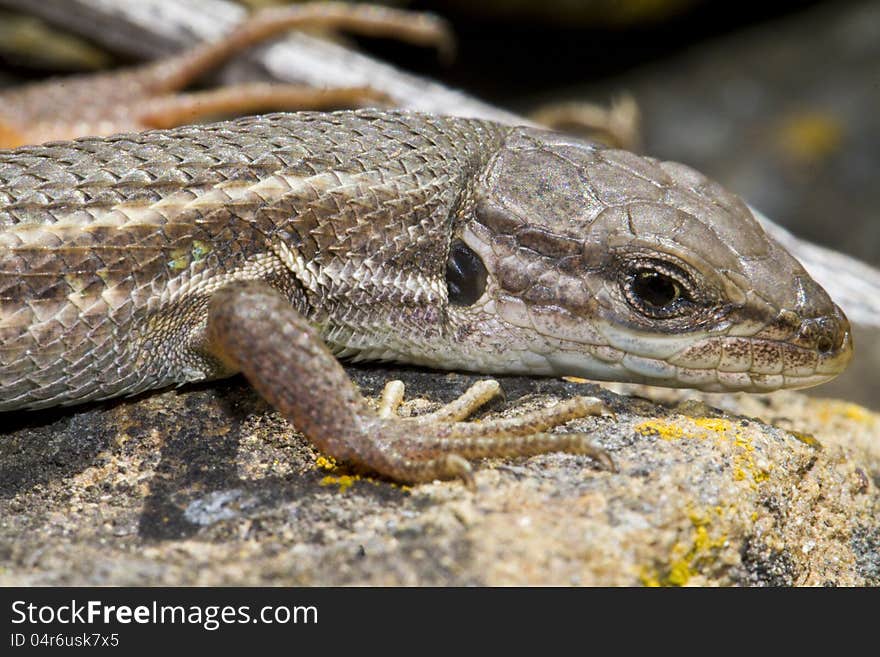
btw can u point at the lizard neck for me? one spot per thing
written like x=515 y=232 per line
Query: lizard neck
x=368 y=235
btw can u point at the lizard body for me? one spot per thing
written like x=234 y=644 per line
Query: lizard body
x=150 y=95
x=264 y=244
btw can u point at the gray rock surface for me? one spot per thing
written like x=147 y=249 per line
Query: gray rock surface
x=208 y=486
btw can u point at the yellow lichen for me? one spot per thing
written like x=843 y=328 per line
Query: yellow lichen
x=679 y=573
x=343 y=481
x=687 y=557
x=649 y=577
x=325 y=462
x=661 y=428
x=346 y=481
x=858 y=413
x=830 y=409
x=715 y=424
x=744 y=467
x=806 y=439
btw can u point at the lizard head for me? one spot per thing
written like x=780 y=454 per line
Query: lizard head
x=581 y=260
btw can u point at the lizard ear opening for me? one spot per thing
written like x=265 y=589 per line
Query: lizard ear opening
x=465 y=275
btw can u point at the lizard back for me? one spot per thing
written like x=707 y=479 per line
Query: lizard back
x=111 y=247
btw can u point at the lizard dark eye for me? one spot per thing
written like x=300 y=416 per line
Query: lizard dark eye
x=658 y=291
x=465 y=275
x=655 y=289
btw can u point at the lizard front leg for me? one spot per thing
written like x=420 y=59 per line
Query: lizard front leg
x=254 y=329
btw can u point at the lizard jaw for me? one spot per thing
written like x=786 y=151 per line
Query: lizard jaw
x=769 y=358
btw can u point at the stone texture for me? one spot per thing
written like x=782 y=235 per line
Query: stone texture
x=209 y=486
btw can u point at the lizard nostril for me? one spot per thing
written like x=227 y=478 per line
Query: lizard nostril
x=826 y=334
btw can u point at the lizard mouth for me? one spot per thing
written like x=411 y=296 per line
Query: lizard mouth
x=783 y=354
x=789 y=351
x=715 y=363
x=761 y=365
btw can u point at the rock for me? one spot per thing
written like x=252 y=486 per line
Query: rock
x=209 y=486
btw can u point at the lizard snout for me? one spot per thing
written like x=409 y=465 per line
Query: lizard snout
x=829 y=334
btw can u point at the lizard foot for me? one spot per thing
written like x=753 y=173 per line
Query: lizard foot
x=254 y=329
x=438 y=444
x=617 y=126
x=458 y=409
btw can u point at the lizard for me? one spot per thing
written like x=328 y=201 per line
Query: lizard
x=275 y=245
x=149 y=95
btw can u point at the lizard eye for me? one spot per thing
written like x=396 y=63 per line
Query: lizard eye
x=658 y=290
x=465 y=275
